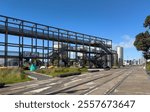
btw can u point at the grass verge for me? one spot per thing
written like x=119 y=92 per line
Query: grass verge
x=12 y=75
x=56 y=71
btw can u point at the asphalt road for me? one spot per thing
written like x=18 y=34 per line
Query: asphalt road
x=114 y=81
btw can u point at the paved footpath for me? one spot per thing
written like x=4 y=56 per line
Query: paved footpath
x=37 y=76
x=136 y=84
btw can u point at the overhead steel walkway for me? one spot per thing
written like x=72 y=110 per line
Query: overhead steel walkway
x=23 y=28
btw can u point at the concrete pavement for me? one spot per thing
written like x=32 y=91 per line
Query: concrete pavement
x=124 y=81
x=136 y=84
x=37 y=76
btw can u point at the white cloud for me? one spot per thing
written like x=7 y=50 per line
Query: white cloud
x=130 y=51
x=127 y=42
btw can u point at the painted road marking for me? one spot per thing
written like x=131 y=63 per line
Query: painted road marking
x=90 y=83
x=36 y=91
x=32 y=85
x=66 y=84
x=90 y=91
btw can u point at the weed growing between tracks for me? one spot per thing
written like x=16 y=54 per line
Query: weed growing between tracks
x=55 y=71
x=12 y=75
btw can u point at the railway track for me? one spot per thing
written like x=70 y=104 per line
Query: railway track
x=116 y=81
x=110 y=91
x=106 y=79
x=85 y=84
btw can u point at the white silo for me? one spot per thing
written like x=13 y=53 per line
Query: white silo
x=120 y=55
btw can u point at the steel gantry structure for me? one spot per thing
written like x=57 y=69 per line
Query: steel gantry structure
x=20 y=39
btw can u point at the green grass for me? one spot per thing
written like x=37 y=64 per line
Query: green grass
x=12 y=75
x=61 y=70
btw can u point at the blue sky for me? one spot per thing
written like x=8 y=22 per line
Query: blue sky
x=119 y=20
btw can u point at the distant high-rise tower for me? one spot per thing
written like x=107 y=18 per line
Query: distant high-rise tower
x=120 y=55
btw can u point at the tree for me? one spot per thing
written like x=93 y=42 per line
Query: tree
x=147 y=22
x=142 y=41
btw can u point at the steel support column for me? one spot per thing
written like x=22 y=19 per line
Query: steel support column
x=6 y=42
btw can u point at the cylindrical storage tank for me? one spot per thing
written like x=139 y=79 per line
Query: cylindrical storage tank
x=115 y=59
x=120 y=55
